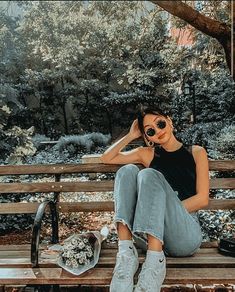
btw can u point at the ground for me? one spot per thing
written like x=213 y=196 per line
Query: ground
x=83 y=222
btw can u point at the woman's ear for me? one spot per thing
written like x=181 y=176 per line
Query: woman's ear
x=170 y=121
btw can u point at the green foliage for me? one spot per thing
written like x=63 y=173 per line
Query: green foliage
x=201 y=133
x=72 y=67
x=92 y=56
x=223 y=144
x=24 y=146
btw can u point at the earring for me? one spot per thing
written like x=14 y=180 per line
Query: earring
x=150 y=143
x=147 y=142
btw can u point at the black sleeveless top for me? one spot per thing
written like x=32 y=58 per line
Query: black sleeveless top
x=179 y=169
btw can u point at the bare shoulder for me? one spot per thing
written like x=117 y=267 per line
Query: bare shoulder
x=198 y=152
x=146 y=154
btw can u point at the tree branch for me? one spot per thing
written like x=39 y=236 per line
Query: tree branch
x=209 y=26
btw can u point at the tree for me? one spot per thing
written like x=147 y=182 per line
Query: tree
x=100 y=56
x=214 y=28
x=86 y=66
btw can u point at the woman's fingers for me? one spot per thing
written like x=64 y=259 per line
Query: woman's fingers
x=134 y=130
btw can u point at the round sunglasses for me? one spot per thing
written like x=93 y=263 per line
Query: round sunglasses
x=161 y=124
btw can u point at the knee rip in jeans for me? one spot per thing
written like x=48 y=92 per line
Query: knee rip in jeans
x=123 y=222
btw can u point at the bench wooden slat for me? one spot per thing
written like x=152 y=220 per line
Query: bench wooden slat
x=47 y=187
x=199 y=260
x=97 y=206
x=207 y=247
x=110 y=253
x=223 y=204
x=218 y=165
x=4 y=254
x=59 y=168
x=109 y=205
x=103 y=276
x=222 y=183
x=222 y=165
x=87 y=186
x=19 y=247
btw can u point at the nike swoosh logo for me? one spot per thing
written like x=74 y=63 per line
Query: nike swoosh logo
x=161 y=260
x=130 y=247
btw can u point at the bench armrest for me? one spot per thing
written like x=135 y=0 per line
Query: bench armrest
x=37 y=228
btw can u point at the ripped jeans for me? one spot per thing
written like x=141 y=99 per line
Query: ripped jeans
x=147 y=204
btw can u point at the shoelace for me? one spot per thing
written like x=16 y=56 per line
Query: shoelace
x=121 y=268
x=142 y=285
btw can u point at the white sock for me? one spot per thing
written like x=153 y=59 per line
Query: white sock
x=125 y=245
x=154 y=257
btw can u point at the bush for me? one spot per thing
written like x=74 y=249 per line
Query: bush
x=201 y=133
x=87 y=142
x=223 y=144
x=217 y=138
x=37 y=139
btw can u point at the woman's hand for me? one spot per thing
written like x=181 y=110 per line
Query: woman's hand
x=134 y=131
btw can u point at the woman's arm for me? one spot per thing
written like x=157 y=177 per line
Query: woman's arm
x=201 y=199
x=113 y=154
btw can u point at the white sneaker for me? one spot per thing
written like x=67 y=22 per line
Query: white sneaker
x=127 y=264
x=150 y=278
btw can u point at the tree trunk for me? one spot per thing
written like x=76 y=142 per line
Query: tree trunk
x=214 y=28
x=66 y=128
x=42 y=124
x=110 y=127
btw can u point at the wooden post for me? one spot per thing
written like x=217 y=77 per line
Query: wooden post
x=91 y=158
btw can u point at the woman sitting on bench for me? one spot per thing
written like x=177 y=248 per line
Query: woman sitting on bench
x=158 y=204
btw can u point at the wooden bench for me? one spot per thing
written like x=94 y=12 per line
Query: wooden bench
x=23 y=265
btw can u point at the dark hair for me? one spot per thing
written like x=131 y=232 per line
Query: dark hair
x=144 y=110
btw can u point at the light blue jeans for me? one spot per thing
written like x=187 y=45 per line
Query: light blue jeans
x=147 y=204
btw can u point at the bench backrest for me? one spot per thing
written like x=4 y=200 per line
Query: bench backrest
x=58 y=185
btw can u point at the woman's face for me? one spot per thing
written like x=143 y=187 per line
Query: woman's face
x=157 y=128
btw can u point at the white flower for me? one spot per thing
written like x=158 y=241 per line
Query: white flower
x=73 y=262
x=81 y=261
x=89 y=248
x=89 y=253
x=74 y=241
x=81 y=245
x=77 y=256
x=68 y=263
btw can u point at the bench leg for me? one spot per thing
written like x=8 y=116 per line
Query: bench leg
x=55 y=223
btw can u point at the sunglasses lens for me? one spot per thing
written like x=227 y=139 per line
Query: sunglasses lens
x=150 y=132
x=161 y=124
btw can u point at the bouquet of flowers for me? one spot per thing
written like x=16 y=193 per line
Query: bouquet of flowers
x=80 y=252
